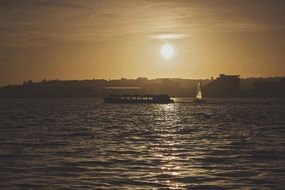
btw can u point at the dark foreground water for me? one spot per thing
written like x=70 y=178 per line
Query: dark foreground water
x=85 y=144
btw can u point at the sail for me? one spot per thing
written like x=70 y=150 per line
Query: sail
x=199 y=94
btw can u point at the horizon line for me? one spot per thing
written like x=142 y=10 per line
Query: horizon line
x=123 y=78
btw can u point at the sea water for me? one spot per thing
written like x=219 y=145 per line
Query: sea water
x=87 y=144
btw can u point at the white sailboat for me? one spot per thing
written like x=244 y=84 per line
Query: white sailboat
x=199 y=94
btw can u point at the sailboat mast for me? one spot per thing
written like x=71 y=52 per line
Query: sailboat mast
x=199 y=92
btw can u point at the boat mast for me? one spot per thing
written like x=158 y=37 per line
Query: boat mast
x=199 y=94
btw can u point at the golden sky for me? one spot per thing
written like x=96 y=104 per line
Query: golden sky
x=85 y=39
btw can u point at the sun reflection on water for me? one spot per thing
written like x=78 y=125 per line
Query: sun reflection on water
x=177 y=160
x=166 y=146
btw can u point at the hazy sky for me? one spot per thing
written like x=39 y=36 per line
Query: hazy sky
x=79 y=39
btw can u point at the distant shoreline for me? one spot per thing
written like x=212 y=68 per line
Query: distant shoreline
x=245 y=88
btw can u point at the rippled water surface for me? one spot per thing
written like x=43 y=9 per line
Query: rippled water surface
x=86 y=144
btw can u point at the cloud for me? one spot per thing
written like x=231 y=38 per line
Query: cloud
x=168 y=36
x=42 y=22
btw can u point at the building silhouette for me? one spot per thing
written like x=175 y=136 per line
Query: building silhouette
x=225 y=86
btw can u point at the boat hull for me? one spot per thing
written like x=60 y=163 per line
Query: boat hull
x=137 y=101
x=162 y=99
x=199 y=101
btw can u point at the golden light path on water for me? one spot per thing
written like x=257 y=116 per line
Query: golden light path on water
x=167 y=149
x=173 y=150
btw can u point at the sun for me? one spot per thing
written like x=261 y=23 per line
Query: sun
x=167 y=51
